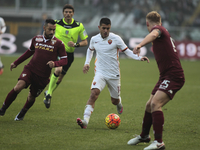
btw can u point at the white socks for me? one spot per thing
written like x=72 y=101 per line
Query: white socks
x=87 y=113
x=120 y=101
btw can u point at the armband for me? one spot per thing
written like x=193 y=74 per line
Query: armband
x=76 y=45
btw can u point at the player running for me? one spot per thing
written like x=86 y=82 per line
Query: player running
x=67 y=30
x=107 y=70
x=45 y=50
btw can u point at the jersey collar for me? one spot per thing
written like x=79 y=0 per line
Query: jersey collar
x=45 y=40
x=68 y=23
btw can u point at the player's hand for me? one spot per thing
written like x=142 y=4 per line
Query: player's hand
x=12 y=65
x=86 y=68
x=70 y=44
x=136 y=50
x=145 y=59
x=51 y=64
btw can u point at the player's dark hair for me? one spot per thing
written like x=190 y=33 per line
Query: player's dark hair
x=68 y=6
x=153 y=16
x=105 y=21
x=51 y=21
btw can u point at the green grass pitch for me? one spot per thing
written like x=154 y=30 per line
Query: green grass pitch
x=56 y=128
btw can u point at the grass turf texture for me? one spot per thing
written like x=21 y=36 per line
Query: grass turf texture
x=56 y=128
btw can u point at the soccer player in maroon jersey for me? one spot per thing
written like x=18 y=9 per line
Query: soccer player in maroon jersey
x=45 y=49
x=170 y=81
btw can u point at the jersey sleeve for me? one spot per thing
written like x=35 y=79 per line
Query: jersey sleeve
x=91 y=46
x=62 y=54
x=61 y=50
x=120 y=43
x=83 y=34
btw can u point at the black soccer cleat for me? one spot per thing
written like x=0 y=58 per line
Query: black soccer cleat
x=2 y=112
x=47 y=100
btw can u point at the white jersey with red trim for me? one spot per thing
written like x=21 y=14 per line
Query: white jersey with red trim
x=107 y=54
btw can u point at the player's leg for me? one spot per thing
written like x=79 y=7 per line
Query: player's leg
x=97 y=86
x=158 y=101
x=56 y=79
x=21 y=84
x=114 y=88
x=52 y=86
x=29 y=103
x=37 y=86
x=89 y=108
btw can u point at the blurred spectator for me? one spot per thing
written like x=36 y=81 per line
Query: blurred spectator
x=44 y=17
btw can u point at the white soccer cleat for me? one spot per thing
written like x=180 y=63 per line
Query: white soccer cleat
x=81 y=123
x=138 y=139
x=120 y=108
x=155 y=145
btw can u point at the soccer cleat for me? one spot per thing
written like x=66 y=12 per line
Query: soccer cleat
x=2 y=112
x=155 y=145
x=119 y=108
x=47 y=99
x=138 y=139
x=20 y=115
x=81 y=123
x=1 y=71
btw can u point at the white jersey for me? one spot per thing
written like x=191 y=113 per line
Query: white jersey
x=107 y=54
x=2 y=25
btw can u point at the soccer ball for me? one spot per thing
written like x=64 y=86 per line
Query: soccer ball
x=112 y=121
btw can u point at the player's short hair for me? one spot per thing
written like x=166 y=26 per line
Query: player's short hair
x=51 y=21
x=153 y=16
x=105 y=21
x=68 y=6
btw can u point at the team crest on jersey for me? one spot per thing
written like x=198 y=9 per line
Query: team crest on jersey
x=110 y=41
x=39 y=39
x=67 y=32
x=23 y=75
x=53 y=42
x=94 y=83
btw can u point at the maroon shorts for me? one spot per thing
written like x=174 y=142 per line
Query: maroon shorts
x=168 y=85
x=37 y=83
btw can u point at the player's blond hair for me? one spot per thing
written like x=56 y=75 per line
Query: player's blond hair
x=154 y=16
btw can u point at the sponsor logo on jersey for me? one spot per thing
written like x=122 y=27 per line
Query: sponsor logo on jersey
x=44 y=47
x=67 y=26
x=67 y=32
x=39 y=39
x=110 y=41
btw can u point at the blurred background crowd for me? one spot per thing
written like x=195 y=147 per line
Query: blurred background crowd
x=180 y=17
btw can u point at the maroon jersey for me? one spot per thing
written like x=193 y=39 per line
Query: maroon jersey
x=44 y=50
x=166 y=55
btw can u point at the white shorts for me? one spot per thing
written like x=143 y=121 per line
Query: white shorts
x=114 y=85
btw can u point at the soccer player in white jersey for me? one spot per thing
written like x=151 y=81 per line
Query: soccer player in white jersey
x=107 y=72
x=2 y=30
